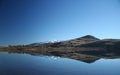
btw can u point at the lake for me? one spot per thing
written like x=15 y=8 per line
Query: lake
x=26 y=64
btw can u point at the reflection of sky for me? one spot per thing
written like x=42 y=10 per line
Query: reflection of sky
x=27 y=21
x=23 y=64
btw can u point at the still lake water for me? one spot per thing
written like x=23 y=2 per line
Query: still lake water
x=25 y=64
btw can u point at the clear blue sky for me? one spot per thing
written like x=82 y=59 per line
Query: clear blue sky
x=29 y=21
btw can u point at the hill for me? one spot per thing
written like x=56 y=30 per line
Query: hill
x=87 y=48
x=69 y=43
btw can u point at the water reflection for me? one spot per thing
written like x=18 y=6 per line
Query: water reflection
x=87 y=57
x=54 y=57
x=26 y=64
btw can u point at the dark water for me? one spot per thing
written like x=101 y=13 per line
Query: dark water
x=25 y=64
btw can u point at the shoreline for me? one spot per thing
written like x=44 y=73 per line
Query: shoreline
x=87 y=55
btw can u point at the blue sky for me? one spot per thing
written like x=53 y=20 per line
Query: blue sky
x=29 y=21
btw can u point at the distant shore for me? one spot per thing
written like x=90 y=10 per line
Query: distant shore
x=84 y=54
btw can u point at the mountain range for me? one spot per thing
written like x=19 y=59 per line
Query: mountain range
x=85 y=41
x=87 y=48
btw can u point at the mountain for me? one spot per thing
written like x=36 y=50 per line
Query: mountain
x=76 y=42
x=87 y=42
x=43 y=43
x=87 y=48
x=108 y=45
x=88 y=37
x=68 y=43
x=101 y=43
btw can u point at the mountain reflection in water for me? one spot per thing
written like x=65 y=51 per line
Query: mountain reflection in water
x=26 y=64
